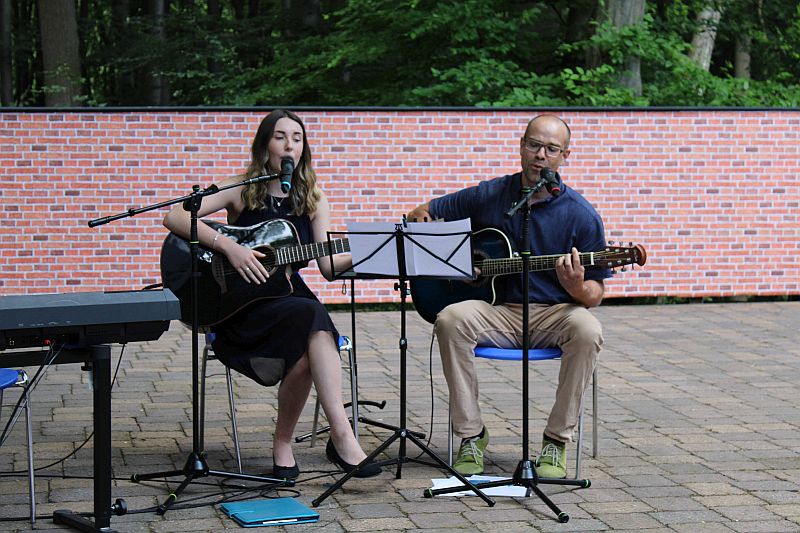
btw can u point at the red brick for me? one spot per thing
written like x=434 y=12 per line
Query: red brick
x=716 y=218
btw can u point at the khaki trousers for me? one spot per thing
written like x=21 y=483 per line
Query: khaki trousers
x=462 y=326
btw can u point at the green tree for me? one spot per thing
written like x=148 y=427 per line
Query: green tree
x=412 y=52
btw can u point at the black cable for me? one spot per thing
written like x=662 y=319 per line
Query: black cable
x=221 y=496
x=31 y=386
x=34 y=381
x=227 y=493
x=433 y=404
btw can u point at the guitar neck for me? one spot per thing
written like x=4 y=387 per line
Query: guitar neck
x=513 y=265
x=306 y=252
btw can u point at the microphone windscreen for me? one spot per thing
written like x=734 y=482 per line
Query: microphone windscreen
x=287 y=169
x=548 y=174
x=287 y=165
x=552 y=180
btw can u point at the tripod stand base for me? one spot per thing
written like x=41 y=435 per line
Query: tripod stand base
x=524 y=476
x=403 y=434
x=196 y=468
x=361 y=420
x=75 y=521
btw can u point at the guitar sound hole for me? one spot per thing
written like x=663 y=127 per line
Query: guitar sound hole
x=269 y=258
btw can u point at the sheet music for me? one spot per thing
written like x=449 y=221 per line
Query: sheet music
x=428 y=250
x=373 y=254
x=440 y=249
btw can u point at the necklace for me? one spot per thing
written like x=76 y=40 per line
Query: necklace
x=277 y=202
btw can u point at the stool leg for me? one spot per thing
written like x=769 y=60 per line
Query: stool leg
x=353 y=390
x=31 y=483
x=234 y=426
x=595 y=436
x=315 y=424
x=449 y=437
x=201 y=415
x=579 y=449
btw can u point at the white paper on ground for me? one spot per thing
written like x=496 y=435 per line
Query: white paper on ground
x=513 y=491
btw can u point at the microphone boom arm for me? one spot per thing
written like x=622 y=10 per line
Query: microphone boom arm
x=527 y=193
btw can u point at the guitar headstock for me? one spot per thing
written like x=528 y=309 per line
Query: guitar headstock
x=620 y=256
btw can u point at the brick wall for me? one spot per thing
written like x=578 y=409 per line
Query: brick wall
x=712 y=195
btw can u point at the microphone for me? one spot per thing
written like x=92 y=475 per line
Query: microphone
x=287 y=169
x=551 y=180
x=548 y=178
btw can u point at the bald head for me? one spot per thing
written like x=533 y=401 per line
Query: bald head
x=551 y=123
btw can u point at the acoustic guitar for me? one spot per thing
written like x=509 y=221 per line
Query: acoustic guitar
x=493 y=256
x=222 y=291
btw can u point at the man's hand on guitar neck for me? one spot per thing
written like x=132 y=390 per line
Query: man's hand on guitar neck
x=570 y=274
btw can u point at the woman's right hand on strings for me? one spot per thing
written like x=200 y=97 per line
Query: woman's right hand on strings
x=246 y=262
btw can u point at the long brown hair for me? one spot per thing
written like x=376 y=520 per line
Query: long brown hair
x=304 y=194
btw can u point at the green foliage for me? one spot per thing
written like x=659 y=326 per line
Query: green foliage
x=669 y=77
x=412 y=52
x=417 y=53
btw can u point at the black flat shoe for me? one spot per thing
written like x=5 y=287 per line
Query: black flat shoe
x=368 y=470
x=285 y=472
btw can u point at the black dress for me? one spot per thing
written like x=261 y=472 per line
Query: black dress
x=264 y=340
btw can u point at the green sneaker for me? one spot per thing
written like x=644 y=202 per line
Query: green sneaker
x=470 y=456
x=552 y=461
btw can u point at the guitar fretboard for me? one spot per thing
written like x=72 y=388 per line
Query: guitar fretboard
x=498 y=267
x=306 y=252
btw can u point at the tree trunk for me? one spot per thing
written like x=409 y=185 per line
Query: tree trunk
x=703 y=39
x=623 y=13
x=6 y=92
x=62 y=65
x=579 y=28
x=301 y=17
x=159 y=92
x=123 y=86
x=214 y=64
x=741 y=62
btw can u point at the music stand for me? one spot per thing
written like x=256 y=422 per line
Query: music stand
x=525 y=474
x=413 y=254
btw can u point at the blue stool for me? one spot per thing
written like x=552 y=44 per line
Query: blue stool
x=18 y=378
x=208 y=353
x=537 y=354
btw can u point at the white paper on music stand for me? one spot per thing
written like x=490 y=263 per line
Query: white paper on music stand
x=381 y=247
x=514 y=491
x=442 y=246
x=376 y=253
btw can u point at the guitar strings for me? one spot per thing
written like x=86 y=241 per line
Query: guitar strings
x=278 y=257
x=543 y=262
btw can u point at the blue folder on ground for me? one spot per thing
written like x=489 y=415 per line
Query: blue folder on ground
x=273 y=512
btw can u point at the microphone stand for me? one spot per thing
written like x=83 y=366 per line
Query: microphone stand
x=196 y=466
x=525 y=475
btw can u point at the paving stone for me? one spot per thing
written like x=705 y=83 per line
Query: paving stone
x=631 y=522
x=699 y=431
